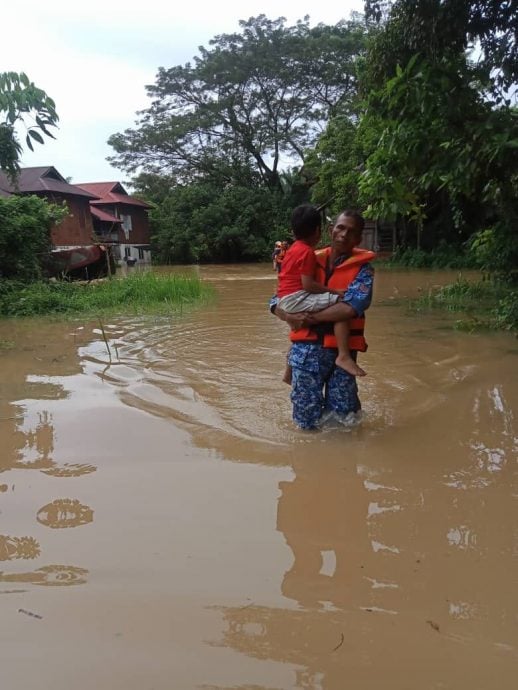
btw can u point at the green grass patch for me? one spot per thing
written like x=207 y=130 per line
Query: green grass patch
x=481 y=305
x=138 y=293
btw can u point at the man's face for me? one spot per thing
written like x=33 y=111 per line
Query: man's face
x=345 y=235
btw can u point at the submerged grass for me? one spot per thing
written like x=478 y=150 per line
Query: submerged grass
x=481 y=305
x=138 y=293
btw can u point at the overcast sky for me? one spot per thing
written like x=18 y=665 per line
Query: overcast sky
x=95 y=58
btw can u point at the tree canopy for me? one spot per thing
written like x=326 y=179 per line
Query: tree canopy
x=251 y=100
x=407 y=113
x=440 y=77
x=432 y=26
x=21 y=102
x=435 y=144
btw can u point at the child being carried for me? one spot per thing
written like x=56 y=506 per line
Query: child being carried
x=298 y=291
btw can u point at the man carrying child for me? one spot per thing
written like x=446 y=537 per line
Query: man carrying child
x=343 y=274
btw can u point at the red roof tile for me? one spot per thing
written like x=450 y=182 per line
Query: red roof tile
x=102 y=215
x=111 y=193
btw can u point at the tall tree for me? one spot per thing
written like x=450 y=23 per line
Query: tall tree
x=445 y=130
x=252 y=99
x=22 y=103
x=429 y=27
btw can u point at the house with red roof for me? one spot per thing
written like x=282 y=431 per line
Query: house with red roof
x=100 y=213
x=77 y=228
x=120 y=220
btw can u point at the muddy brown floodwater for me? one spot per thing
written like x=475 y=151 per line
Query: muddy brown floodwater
x=164 y=526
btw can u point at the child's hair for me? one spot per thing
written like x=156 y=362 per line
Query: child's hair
x=305 y=219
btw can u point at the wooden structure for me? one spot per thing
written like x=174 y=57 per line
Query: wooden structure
x=120 y=220
x=77 y=227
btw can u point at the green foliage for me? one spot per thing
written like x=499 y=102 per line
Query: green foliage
x=138 y=293
x=209 y=148
x=335 y=162
x=438 y=152
x=505 y=314
x=204 y=223
x=436 y=134
x=432 y=27
x=20 y=99
x=25 y=223
x=496 y=250
x=483 y=305
x=247 y=101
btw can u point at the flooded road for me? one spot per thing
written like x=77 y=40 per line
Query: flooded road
x=164 y=526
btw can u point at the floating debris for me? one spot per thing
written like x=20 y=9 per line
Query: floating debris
x=30 y=613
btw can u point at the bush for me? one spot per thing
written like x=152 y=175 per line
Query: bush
x=496 y=251
x=506 y=312
x=25 y=224
x=486 y=304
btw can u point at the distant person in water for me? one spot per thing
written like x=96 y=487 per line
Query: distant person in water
x=278 y=255
x=298 y=291
x=276 y=251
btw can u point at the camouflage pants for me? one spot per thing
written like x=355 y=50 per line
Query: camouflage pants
x=318 y=387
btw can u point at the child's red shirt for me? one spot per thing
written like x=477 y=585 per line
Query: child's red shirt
x=299 y=261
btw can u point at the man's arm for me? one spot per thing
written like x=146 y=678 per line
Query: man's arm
x=356 y=300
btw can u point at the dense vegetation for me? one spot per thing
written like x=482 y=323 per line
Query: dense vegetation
x=406 y=112
x=211 y=150
x=25 y=224
x=481 y=305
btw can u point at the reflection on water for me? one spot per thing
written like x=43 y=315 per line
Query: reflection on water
x=359 y=602
x=65 y=512
x=49 y=576
x=18 y=547
x=237 y=551
x=33 y=379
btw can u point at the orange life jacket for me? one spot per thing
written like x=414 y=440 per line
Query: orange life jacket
x=340 y=279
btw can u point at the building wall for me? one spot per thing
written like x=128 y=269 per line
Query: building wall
x=379 y=236
x=140 y=232
x=77 y=227
x=129 y=251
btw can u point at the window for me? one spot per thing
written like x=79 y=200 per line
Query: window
x=127 y=251
x=140 y=253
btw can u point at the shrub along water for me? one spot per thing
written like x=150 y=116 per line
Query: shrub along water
x=138 y=293
x=485 y=304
